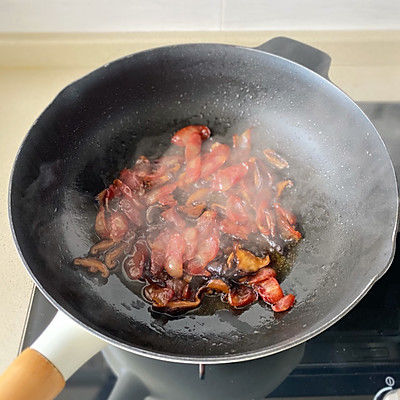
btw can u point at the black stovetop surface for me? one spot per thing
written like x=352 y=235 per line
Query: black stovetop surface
x=352 y=359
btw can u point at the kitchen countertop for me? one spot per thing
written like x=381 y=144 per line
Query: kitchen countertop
x=35 y=67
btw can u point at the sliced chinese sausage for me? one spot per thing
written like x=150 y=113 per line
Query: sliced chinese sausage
x=157 y=262
x=208 y=241
x=159 y=296
x=132 y=179
x=133 y=213
x=269 y=290
x=158 y=194
x=270 y=222
x=105 y=196
x=265 y=219
x=134 y=264
x=142 y=166
x=207 y=222
x=261 y=275
x=206 y=252
x=284 y=303
x=117 y=225
x=264 y=175
x=225 y=178
x=168 y=200
x=171 y=216
x=158 y=250
x=174 y=255
x=191 y=137
x=288 y=215
x=184 y=135
x=286 y=230
x=126 y=192
x=193 y=161
x=190 y=236
x=236 y=210
x=186 y=292
x=93 y=264
x=179 y=286
x=212 y=161
x=241 y=296
x=186 y=304
x=230 y=227
x=241 y=146
x=165 y=169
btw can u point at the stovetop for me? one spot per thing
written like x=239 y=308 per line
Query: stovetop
x=354 y=359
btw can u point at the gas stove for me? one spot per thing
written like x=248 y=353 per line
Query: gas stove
x=357 y=358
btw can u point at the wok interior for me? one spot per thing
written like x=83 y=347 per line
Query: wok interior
x=346 y=195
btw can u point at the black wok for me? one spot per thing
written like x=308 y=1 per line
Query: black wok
x=346 y=190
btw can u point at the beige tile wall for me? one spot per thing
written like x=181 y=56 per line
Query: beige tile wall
x=303 y=14
x=109 y=15
x=196 y=15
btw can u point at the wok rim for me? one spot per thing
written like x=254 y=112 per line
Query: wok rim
x=219 y=359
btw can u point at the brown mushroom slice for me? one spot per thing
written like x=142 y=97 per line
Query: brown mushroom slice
x=112 y=256
x=101 y=247
x=193 y=211
x=187 y=278
x=218 y=285
x=153 y=214
x=182 y=304
x=198 y=195
x=275 y=159
x=93 y=264
x=185 y=304
x=248 y=262
x=282 y=185
x=257 y=180
x=230 y=260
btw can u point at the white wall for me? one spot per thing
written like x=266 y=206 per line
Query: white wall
x=169 y=15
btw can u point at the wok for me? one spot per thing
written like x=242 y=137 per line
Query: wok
x=346 y=199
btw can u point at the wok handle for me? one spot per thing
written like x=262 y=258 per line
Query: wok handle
x=31 y=376
x=300 y=53
x=40 y=372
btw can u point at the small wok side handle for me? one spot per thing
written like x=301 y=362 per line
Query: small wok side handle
x=300 y=53
x=40 y=372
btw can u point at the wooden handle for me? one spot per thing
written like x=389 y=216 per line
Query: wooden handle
x=31 y=376
x=40 y=372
